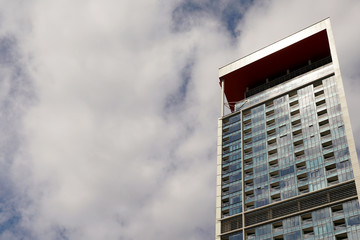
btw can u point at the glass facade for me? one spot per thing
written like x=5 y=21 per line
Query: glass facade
x=294 y=144
x=284 y=147
x=232 y=167
x=340 y=221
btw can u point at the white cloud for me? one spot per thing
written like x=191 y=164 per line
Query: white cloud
x=118 y=145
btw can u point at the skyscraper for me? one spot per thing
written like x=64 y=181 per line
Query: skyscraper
x=287 y=166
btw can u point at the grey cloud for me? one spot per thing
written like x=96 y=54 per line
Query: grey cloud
x=120 y=142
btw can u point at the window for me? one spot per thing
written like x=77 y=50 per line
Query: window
x=286 y=171
x=355 y=220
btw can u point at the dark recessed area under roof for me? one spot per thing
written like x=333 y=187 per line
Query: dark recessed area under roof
x=314 y=47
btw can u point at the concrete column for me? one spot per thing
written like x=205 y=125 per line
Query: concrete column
x=222 y=96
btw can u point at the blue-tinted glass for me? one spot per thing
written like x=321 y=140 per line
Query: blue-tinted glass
x=234 y=118
x=235 y=187
x=355 y=220
x=261 y=179
x=263 y=230
x=237 y=236
x=235 y=199
x=286 y=171
x=235 y=177
x=262 y=202
x=293 y=236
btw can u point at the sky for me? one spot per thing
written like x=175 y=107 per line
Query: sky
x=108 y=109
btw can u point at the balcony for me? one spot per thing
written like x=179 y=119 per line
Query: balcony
x=271 y=126
x=273 y=156
x=225 y=162
x=323 y=116
x=294 y=103
x=319 y=95
x=324 y=127
x=326 y=138
x=225 y=193
x=249 y=185
x=247 y=126
x=271 y=134
x=310 y=235
x=329 y=157
x=340 y=227
x=246 y=116
x=321 y=107
x=333 y=183
x=272 y=146
x=249 y=175
x=248 y=144
x=299 y=147
x=226 y=182
x=274 y=200
x=248 y=165
x=306 y=221
x=248 y=155
x=338 y=213
x=250 y=207
x=274 y=178
x=275 y=188
x=293 y=96
x=300 y=168
x=297 y=137
x=225 y=172
x=327 y=149
x=318 y=86
x=296 y=126
x=303 y=191
x=295 y=116
x=273 y=166
x=299 y=156
x=226 y=151
x=331 y=171
x=270 y=115
x=251 y=236
x=302 y=179
x=249 y=197
x=333 y=180
x=225 y=215
x=278 y=227
x=247 y=134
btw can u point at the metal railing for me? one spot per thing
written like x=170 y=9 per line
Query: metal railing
x=331 y=171
x=289 y=76
x=338 y=213
x=333 y=183
x=340 y=227
x=304 y=191
x=306 y=221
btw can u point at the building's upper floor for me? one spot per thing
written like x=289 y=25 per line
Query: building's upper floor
x=285 y=59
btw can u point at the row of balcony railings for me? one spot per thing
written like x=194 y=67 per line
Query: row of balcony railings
x=335 y=195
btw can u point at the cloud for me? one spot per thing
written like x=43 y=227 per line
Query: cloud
x=116 y=105
x=105 y=156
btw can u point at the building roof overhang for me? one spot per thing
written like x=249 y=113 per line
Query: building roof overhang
x=274 y=60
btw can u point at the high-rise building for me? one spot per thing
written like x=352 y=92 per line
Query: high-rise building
x=287 y=166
